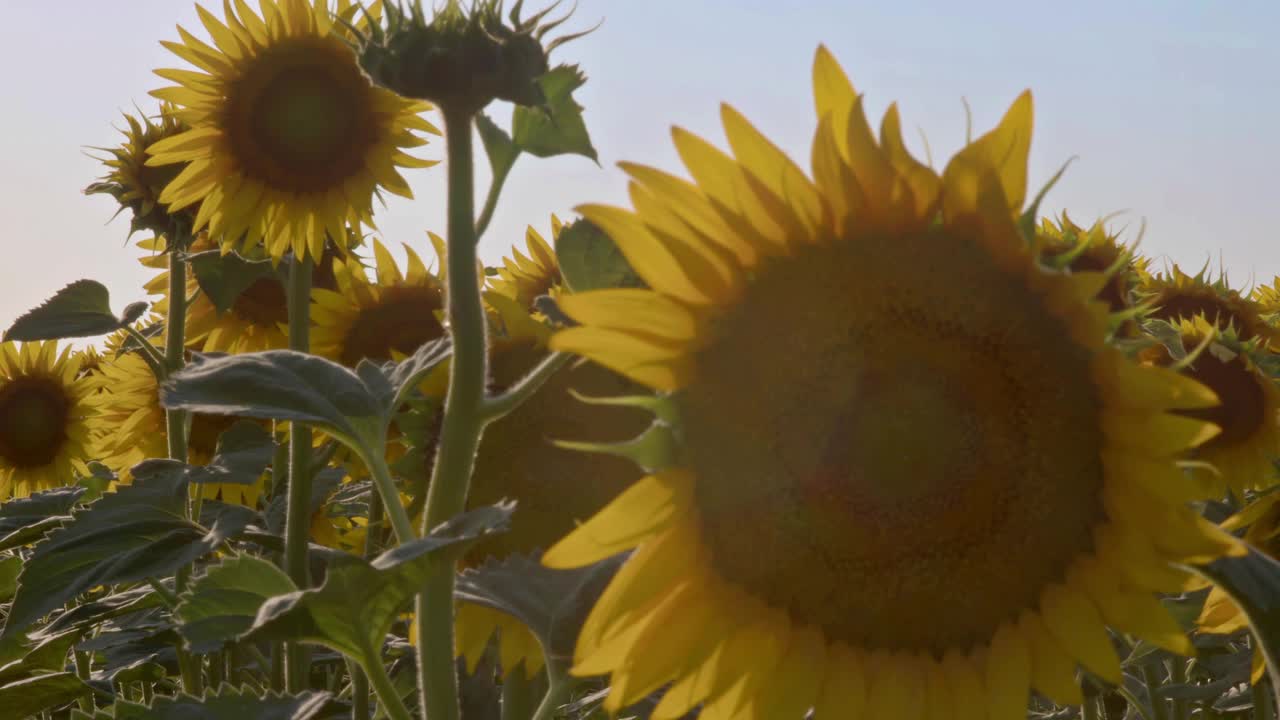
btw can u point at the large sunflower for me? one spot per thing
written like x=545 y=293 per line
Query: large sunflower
x=379 y=319
x=524 y=278
x=914 y=477
x=134 y=184
x=1249 y=413
x=133 y=427
x=46 y=418
x=289 y=139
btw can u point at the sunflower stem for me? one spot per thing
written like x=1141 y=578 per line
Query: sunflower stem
x=518 y=694
x=560 y=686
x=153 y=357
x=1263 y=705
x=1151 y=677
x=463 y=422
x=385 y=491
x=514 y=397
x=175 y=341
x=1178 y=676
x=388 y=698
x=298 y=509
x=360 y=706
x=1089 y=709
x=491 y=198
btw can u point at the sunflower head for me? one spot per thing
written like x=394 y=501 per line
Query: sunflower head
x=1067 y=245
x=137 y=186
x=1174 y=296
x=526 y=277
x=1248 y=413
x=460 y=58
x=47 y=417
x=901 y=487
x=289 y=141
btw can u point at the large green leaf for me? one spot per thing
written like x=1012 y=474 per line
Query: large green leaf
x=22 y=512
x=22 y=699
x=222 y=604
x=229 y=703
x=118 y=604
x=81 y=309
x=135 y=533
x=1253 y=582
x=553 y=604
x=9 y=569
x=49 y=654
x=556 y=128
x=354 y=608
x=502 y=151
x=590 y=260
x=286 y=385
x=223 y=278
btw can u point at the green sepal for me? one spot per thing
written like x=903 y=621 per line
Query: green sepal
x=652 y=450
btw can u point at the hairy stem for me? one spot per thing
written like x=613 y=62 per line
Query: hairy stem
x=462 y=426
x=297 y=522
x=388 y=698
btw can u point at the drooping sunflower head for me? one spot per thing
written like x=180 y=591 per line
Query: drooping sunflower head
x=1248 y=416
x=524 y=278
x=1067 y=245
x=1174 y=295
x=381 y=319
x=133 y=427
x=289 y=140
x=913 y=471
x=137 y=186
x=46 y=418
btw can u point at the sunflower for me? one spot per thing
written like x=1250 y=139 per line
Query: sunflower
x=46 y=418
x=524 y=278
x=258 y=317
x=1249 y=413
x=914 y=477
x=1175 y=295
x=133 y=428
x=1066 y=244
x=554 y=487
x=1220 y=615
x=382 y=319
x=289 y=139
x=137 y=186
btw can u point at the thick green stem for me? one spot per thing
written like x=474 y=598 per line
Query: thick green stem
x=1178 y=676
x=1151 y=677
x=361 y=708
x=1263 y=700
x=519 y=692
x=389 y=498
x=297 y=523
x=462 y=426
x=560 y=686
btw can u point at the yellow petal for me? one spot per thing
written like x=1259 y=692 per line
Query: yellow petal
x=1074 y=622
x=844 y=685
x=1008 y=674
x=1053 y=671
x=639 y=512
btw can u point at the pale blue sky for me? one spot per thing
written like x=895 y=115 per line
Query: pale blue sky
x=1170 y=107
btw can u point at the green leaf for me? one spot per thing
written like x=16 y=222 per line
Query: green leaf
x=243 y=453
x=285 y=385
x=222 y=604
x=354 y=608
x=81 y=309
x=408 y=373
x=553 y=604
x=47 y=655
x=498 y=145
x=229 y=703
x=86 y=615
x=9 y=569
x=223 y=278
x=1253 y=583
x=23 y=512
x=556 y=128
x=590 y=259
x=135 y=533
x=24 y=698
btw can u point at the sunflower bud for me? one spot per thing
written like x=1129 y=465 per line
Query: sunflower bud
x=459 y=59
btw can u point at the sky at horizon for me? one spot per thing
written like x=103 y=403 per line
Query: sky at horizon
x=1164 y=108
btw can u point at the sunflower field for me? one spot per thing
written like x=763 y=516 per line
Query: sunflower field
x=864 y=439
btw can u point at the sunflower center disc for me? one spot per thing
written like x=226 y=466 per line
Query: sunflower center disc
x=1243 y=410
x=33 y=421
x=895 y=442
x=403 y=320
x=301 y=118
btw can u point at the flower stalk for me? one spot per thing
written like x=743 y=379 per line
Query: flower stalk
x=298 y=508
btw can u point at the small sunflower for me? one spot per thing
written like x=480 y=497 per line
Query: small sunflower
x=138 y=186
x=46 y=418
x=258 y=318
x=1091 y=250
x=1174 y=295
x=378 y=319
x=133 y=428
x=1249 y=413
x=524 y=278
x=289 y=140
x=915 y=477
x=554 y=487
x=1221 y=616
